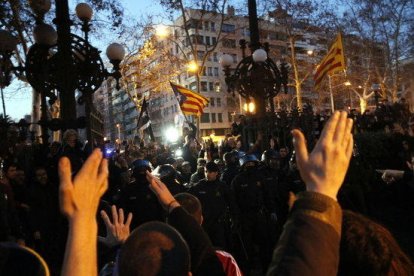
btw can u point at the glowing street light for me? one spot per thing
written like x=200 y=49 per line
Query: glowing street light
x=192 y=66
x=347 y=83
x=162 y=31
x=249 y=107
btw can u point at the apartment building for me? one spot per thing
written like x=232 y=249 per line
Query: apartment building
x=204 y=37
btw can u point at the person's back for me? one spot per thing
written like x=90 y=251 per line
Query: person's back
x=368 y=249
x=154 y=248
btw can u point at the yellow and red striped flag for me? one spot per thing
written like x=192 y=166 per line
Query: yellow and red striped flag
x=191 y=103
x=333 y=62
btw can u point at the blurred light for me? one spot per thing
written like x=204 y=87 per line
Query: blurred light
x=249 y=107
x=172 y=134
x=309 y=52
x=105 y=138
x=179 y=153
x=192 y=66
x=347 y=83
x=162 y=31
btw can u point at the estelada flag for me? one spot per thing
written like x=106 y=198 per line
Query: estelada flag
x=191 y=103
x=333 y=62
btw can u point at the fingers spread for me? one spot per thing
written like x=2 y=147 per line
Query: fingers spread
x=114 y=215
x=340 y=127
x=121 y=216
x=129 y=219
x=330 y=127
x=300 y=147
x=105 y=218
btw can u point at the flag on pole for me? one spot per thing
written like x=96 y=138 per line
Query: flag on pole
x=333 y=62
x=191 y=103
x=143 y=118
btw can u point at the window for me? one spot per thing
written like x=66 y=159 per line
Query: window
x=220 y=117
x=208 y=42
x=218 y=102
x=214 y=40
x=200 y=55
x=206 y=25
x=212 y=102
x=228 y=43
x=228 y=28
x=203 y=71
x=210 y=71
x=211 y=86
x=205 y=118
x=213 y=26
x=213 y=117
x=215 y=57
x=197 y=39
x=217 y=87
x=203 y=86
x=246 y=32
x=216 y=71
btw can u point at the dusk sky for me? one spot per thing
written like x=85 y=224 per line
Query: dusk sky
x=18 y=95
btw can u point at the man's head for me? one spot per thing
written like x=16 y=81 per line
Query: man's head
x=41 y=176
x=20 y=178
x=212 y=170
x=191 y=204
x=10 y=170
x=70 y=137
x=283 y=152
x=186 y=167
x=229 y=158
x=381 y=254
x=154 y=248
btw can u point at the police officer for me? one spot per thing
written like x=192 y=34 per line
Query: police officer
x=270 y=169
x=254 y=200
x=216 y=202
x=231 y=168
x=167 y=174
x=137 y=197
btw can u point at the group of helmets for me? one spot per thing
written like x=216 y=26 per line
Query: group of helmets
x=165 y=172
x=244 y=158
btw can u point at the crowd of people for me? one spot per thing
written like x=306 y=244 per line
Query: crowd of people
x=196 y=208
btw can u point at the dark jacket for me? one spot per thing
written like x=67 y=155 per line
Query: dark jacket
x=309 y=244
x=215 y=197
x=203 y=258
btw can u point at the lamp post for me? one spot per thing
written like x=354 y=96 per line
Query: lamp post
x=59 y=63
x=256 y=76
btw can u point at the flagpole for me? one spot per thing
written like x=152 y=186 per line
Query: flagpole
x=331 y=94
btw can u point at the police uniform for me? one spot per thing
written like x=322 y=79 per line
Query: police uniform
x=216 y=202
x=254 y=200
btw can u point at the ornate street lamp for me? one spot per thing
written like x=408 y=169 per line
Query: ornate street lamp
x=256 y=76
x=61 y=62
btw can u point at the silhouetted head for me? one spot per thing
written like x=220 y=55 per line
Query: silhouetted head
x=154 y=248
x=367 y=248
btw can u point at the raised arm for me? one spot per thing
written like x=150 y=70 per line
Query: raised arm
x=316 y=217
x=79 y=199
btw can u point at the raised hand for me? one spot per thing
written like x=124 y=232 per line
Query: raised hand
x=164 y=196
x=79 y=198
x=118 y=230
x=324 y=169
